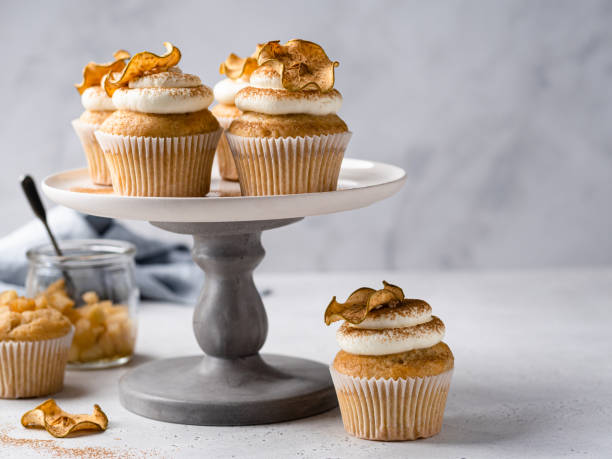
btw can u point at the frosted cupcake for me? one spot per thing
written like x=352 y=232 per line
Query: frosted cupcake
x=34 y=346
x=98 y=106
x=238 y=71
x=393 y=373
x=161 y=140
x=289 y=138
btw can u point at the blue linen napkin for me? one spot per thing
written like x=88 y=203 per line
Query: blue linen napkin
x=164 y=271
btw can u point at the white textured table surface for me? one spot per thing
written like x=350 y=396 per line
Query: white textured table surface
x=533 y=373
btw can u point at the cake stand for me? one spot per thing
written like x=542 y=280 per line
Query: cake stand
x=231 y=384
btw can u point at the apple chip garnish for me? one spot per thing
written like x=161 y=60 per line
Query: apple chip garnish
x=141 y=64
x=93 y=72
x=362 y=301
x=258 y=49
x=236 y=67
x=301 y=64
x=60 y=424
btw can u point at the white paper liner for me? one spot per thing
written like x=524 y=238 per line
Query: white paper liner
x=160 y=166
x=227 y=166
x=288 y=165
x=33 y=368
x=392 y=409
x=96 y=164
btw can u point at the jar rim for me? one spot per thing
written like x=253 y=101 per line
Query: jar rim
x=102 y=250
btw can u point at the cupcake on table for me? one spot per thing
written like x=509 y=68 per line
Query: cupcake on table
x=289 y=138
x=393 y=373
x=34 y=345
x=238 y=71
x=98 y=106
x=161 y=141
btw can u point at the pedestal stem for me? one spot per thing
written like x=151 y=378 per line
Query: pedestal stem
x=229 y=320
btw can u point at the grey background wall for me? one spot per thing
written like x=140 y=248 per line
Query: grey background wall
x=500 y=111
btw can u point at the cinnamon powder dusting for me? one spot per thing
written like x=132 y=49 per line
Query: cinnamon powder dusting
x=53 y=448
x=80 y=189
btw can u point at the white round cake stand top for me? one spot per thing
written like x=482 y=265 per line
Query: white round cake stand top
x=361 y=183
x=231 y=384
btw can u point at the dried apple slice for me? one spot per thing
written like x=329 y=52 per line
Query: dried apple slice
x=361 y=302
x=258 y=49
x=121 y=54
x=93 y=72
x=397 y=291
x=59 y=423
x=350 y=310
x=140 y=64
x=380 y=298
x=236 y=67
x=301 y=64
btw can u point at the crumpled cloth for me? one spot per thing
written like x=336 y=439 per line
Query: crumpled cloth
x=164 y=271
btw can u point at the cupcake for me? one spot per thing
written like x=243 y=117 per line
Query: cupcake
x=98 y=106
x=393 y=373
x=238 y=72
x=289 y=138
x=34 y=345
x=161 y=140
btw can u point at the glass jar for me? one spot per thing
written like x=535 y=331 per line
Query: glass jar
x=93 y=285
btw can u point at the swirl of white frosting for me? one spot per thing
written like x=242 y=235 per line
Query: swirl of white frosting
x=225 y=90
x=266 y=78
x=94 y=98
x=265 y=94
x=392 y=330
x=164 y=93
x=398 y=317
x=171 y=78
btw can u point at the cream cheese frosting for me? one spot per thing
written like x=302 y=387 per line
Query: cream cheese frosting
x=266 y=78
x=173 y=78
x=94 y=98
x=407 y=315
x=390 y=330
x=225 y=90
x=265 y=94
x=164 y=93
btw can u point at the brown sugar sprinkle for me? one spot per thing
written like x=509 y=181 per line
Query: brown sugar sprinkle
x=80 y=189
x=53 y=448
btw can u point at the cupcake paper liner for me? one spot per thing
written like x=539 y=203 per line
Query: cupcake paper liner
x=392 y=409
x=96 y=164
x=227 y=166
x=33 y=368
x=160 y=166
x=288 y=165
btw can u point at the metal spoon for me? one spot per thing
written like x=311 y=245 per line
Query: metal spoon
x=29 y=188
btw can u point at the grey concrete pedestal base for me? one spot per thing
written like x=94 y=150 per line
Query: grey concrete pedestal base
x=232 y=384
x=209 y=391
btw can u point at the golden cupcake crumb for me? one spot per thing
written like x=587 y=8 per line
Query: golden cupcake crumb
x=95 y=116
x=226 y=111
x=416 y=363
x=127 y=123
x=252 y=124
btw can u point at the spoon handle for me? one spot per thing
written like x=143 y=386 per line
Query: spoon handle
x=29 y=188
